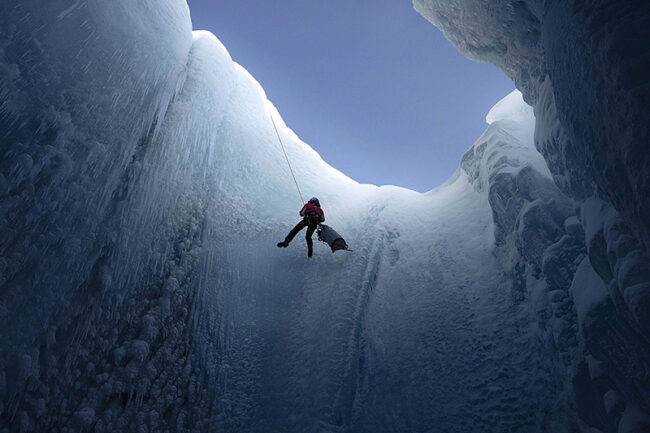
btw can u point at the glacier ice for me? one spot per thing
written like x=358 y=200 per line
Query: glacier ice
x=583 y=67
x=142 y=191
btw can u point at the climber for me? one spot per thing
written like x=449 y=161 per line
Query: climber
x=312 y=215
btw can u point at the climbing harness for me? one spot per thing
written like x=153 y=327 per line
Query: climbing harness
x=287 y=158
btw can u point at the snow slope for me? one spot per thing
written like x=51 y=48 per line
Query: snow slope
x=142 y=193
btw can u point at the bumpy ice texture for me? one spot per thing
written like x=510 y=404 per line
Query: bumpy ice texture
x=584 y=65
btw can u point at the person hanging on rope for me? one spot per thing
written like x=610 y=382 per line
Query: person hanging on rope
x=312 y=215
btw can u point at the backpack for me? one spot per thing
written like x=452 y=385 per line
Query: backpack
x=311 y=210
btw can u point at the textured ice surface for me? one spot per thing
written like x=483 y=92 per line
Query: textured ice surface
x=588 y=290
x=143 y=191
x=583 y=66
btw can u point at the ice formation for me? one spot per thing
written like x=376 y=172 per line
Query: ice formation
x=142 y=191
x=584 y=68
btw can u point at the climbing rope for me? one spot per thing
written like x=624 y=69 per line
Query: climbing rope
x=302 y=201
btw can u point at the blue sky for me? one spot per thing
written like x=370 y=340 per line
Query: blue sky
x=370 y=84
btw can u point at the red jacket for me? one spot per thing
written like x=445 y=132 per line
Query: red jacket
x=311 y=209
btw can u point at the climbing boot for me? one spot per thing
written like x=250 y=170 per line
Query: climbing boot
x=283 y=244
x=310 y=250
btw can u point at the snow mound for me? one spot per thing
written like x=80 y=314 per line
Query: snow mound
x=511 y=107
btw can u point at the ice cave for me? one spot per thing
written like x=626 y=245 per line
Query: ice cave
x=515 y=297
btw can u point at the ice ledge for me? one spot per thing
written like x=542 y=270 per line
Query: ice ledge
x=512 y=107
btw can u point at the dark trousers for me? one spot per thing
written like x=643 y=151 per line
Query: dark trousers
x=311 y=224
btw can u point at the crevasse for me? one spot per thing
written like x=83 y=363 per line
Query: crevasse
x=142 y=192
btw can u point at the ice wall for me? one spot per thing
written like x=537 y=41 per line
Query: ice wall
x=140 y=178
x=583 y=66
x=142 y=191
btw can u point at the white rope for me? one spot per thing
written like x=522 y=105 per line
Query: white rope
x=302 y=201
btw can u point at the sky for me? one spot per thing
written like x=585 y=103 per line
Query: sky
x=371 y=85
